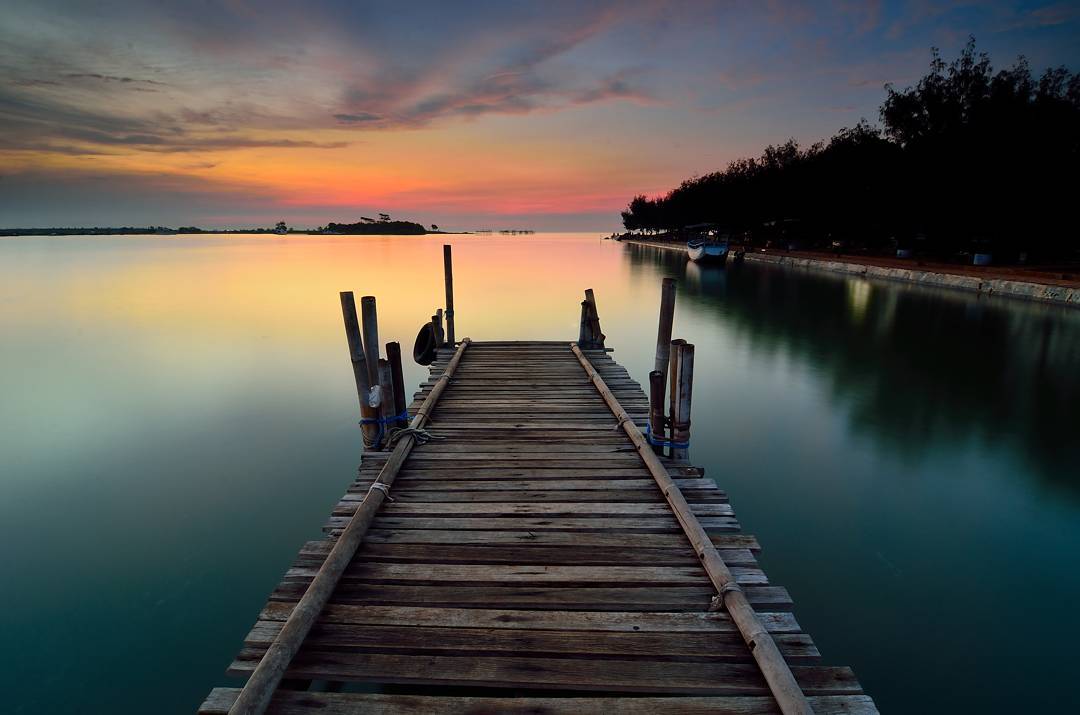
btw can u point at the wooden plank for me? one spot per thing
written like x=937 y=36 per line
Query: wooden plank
x=436 y=574
x=565 y=555
x=296 y=703
x=534 y=524
x=627 y=540
x=547 y=598
x=560 y=673
x=548 y=486
x=623 y=621
x=349 y=503
x=463 y=642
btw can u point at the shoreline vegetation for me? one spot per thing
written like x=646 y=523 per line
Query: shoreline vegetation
x=969 y=166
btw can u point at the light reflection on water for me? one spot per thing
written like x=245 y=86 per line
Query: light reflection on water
x=178 y=417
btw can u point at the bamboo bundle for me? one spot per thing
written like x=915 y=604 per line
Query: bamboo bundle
x=369 y=430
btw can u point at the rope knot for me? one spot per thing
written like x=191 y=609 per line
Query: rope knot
x=380 y=487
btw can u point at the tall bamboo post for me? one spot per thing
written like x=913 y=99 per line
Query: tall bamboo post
x=259 y=689
x=387 y=404
x=448 y=278
x=393 y=354
x=663 y=334
x=673 y=378
x=596 y=337
x=680 y=425
x=369 y=430
x=774 y=668
x=656 y=409
x=663 y=356
x=370 y=316
x=583 y=328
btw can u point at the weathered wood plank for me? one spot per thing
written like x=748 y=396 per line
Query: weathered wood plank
x=548 y=598
x=437 y=574
x=464 y=642
x=623 y=621
x=560 y=673
x=627 y=540
x=534 y=524
x=296 y=703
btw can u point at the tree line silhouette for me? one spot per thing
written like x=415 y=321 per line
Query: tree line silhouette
x=967 y=160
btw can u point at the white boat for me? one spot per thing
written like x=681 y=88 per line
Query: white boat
x=705 y=251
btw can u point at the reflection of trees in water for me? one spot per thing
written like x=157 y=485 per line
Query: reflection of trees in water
x=916 y=368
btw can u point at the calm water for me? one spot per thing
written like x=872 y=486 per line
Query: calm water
x=178 y=417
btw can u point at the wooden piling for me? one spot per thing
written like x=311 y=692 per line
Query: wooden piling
x=393 y=354
x=437 y=323
x=660 y=365
x=387 y=400
x=448 y=277
x=259 y=689
x=673 y=378
x=360 y=369
x=583 y=328
x=663 y=334
x=656 y=408
x=680 y=424
x=596 y=337
x=370 y=317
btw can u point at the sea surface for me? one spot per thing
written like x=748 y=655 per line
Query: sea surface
x=177 y=416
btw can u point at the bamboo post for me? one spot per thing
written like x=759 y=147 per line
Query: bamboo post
x=369 y=430
x=387 y=399
x=656 y=408
x=393 y=354
x=370 y=316
x=777 y=674
x=680 y=425
x=663 y=334
x=259 y=689
x=583 y=329
x=673 y=379
x=660 y=365
x=596 y=337
x=448 y=277
x=440 y=329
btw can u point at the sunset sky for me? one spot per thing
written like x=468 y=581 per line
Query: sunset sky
x=232 y=113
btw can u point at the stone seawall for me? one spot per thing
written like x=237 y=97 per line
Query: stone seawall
x=1046 y=293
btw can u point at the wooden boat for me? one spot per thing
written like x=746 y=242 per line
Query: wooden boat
x=707 y=251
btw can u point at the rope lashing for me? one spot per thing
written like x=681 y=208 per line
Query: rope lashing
x=717 y=603
x=662 y=442
x=382 y=422
x=380 y=487
x=421 y=435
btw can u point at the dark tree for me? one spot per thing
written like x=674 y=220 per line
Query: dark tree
x=968 y=158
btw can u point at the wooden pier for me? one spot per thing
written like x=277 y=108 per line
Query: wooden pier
x=536 y=557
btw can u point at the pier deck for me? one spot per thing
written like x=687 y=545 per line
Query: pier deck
x=529 y=562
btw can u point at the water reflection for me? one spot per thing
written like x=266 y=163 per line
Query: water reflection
x=913 y=368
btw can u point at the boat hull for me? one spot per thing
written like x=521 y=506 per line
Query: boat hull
x=707 y=252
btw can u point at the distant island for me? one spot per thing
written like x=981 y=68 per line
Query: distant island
x=383 y=226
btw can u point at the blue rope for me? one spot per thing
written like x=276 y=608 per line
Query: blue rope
x=383 y=421
x=661 y=442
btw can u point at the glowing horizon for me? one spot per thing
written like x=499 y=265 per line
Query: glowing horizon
x=550 y=116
